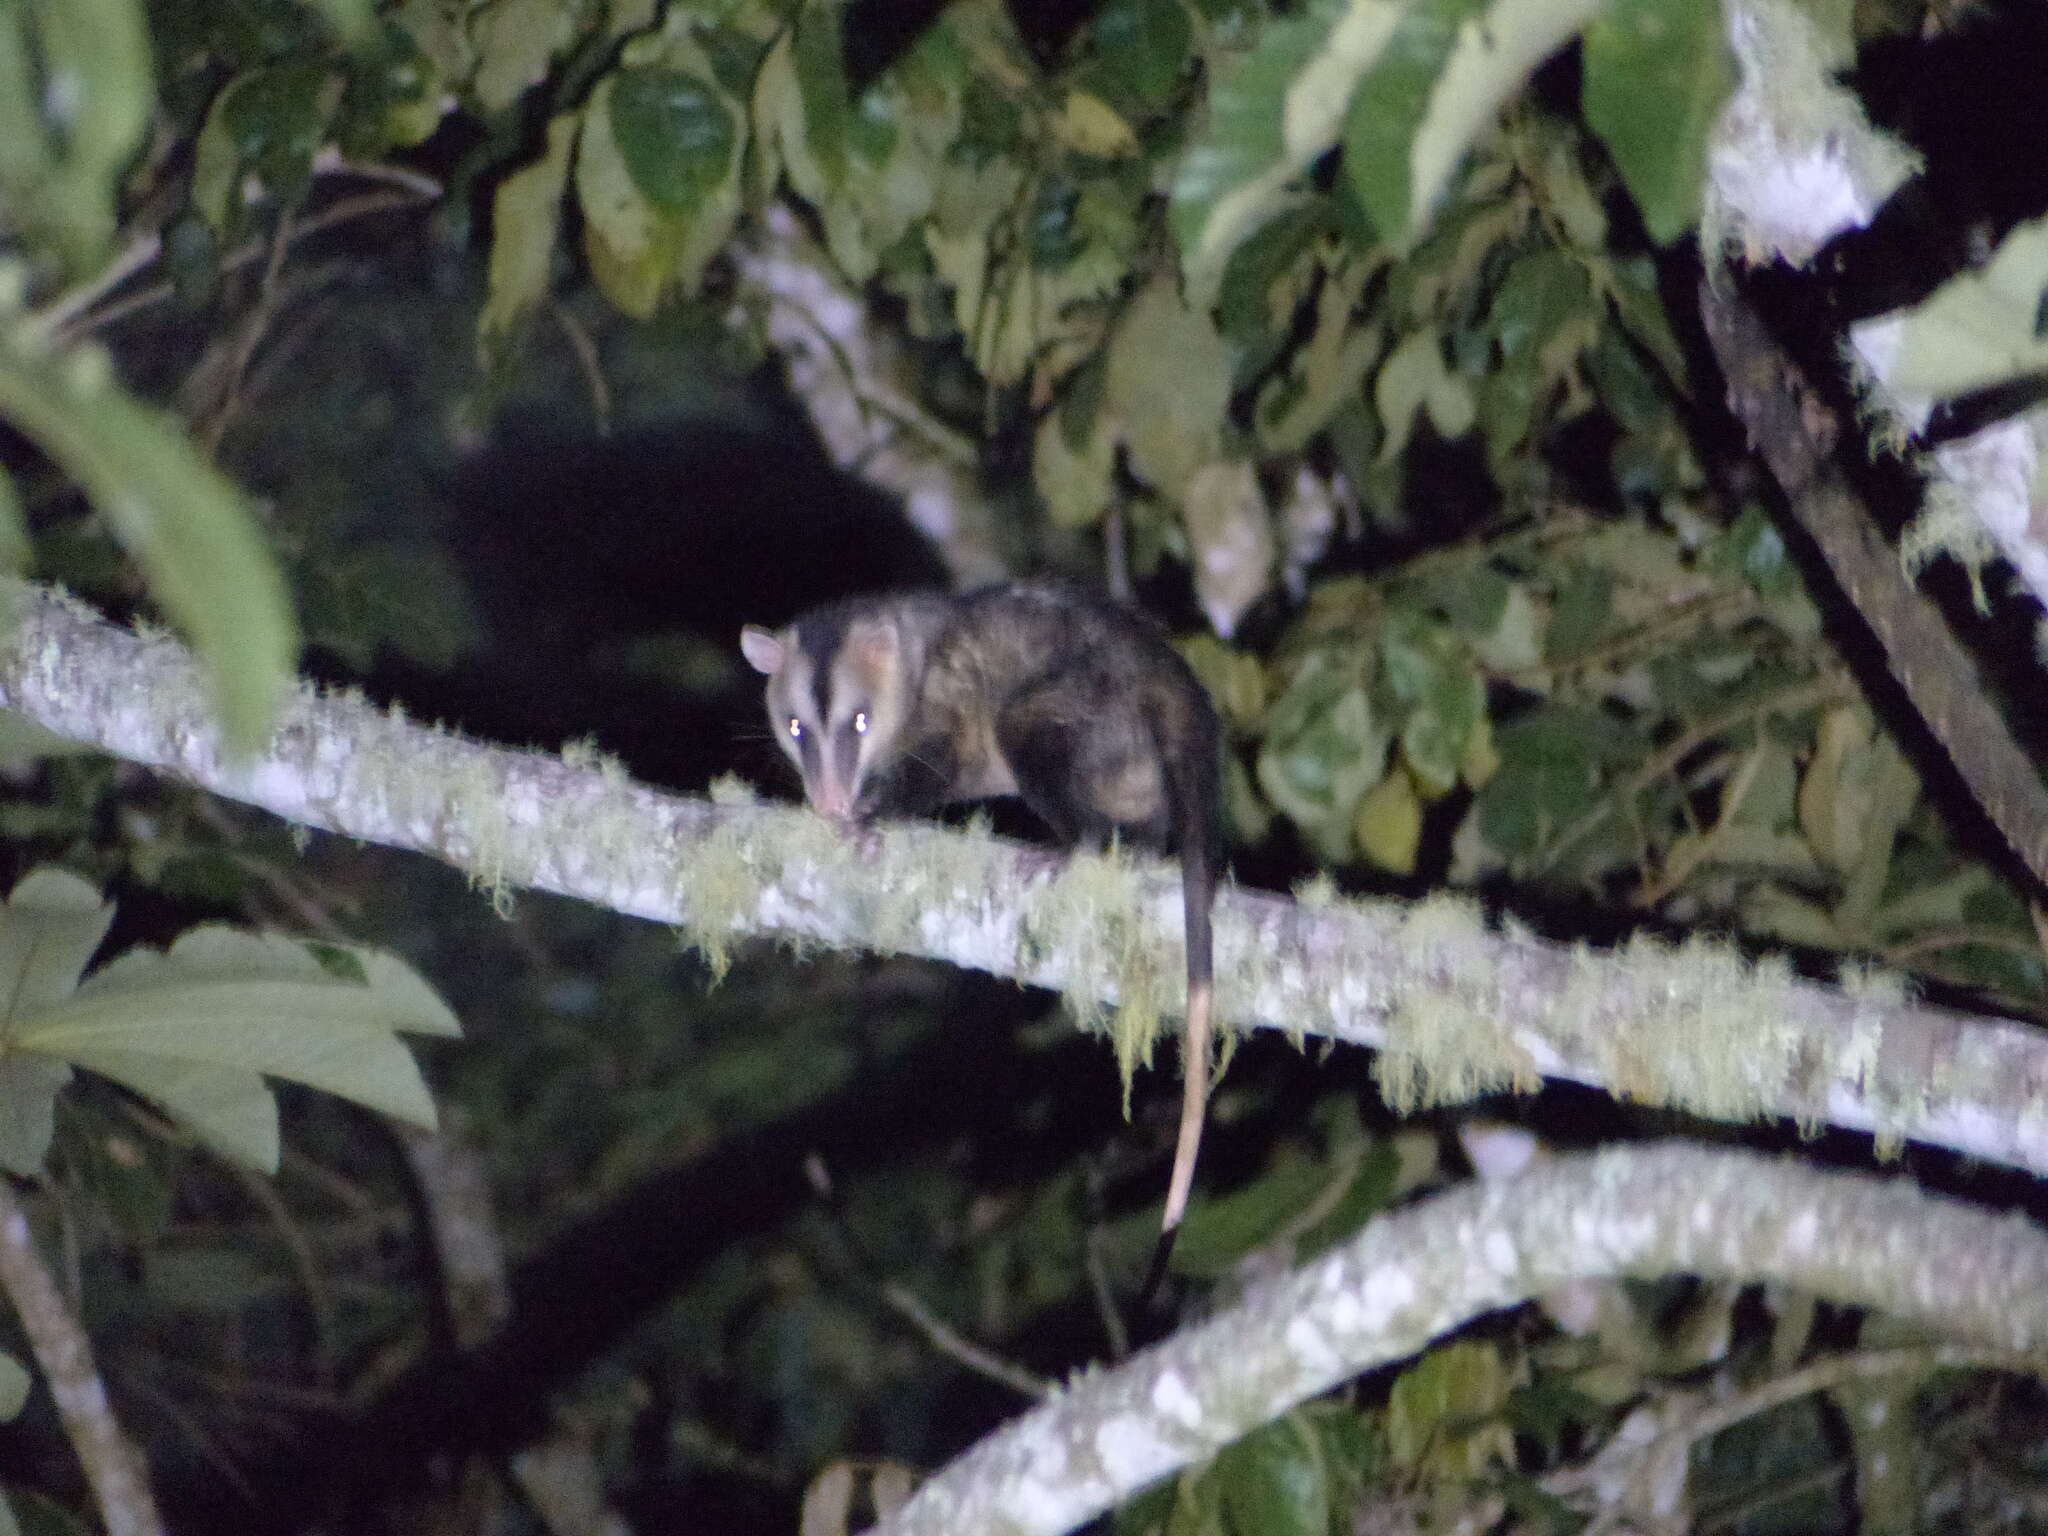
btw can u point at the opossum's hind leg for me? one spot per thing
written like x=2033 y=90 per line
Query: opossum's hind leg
x=1085 y=768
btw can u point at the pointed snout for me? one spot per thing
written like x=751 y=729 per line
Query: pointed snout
x=830 y=799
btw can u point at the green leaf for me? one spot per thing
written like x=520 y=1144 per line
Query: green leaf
x=322 y=1036
x=515 y=42
x=22 y=739
x=29 y=1086
x=1495 y=52
x=1545 y=291
x=222 y=998
x=15 y=1383
x=526 y=218
x=217 y=1280
x=14 y=547
x=1414 y=378
x=1390 y=104
x=1548 y=777
x=229 y=1110
x=268 y=122
x=184 y=523
x=677 y=135
x=1075 y=483
x=1632 y=289
x=1143 y=46
x=1980 y=328
x=1168 y=384
x=1221 y=1229
x=395 y=97
x=1583 y=608
x=1443 y=1411
x=817 y=54
x=1233 y=177
x=657 y=176
x=350 y=20
x=1438 y=729
x=85 y=133
x=49 y=928
x=394 y=995
x=1323 y=749
x=1275 y=1481
x=1657 y=73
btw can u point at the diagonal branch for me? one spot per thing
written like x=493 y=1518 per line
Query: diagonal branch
x=1407 y=1278
x=113 y=1465
x=1457 y=1008
x=1795 y=433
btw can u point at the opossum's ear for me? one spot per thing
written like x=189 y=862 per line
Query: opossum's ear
x=764 y=649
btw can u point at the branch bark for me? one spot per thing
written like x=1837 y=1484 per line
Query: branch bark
x=114 y=1467
x=850 y=375
x=1412 y=1276
x=1796 y=436
x=1456 y=1008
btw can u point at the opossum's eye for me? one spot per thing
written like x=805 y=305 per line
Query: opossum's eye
x=860 y=723
x=796 y=729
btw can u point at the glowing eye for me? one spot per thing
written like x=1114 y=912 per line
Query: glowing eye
x=796 y=729
x=860 y=723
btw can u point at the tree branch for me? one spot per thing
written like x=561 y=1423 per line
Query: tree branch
x=1796 y=436
x=851 y=377
x=113 y=1465
x=1457 y=1009
x=1412 y=1276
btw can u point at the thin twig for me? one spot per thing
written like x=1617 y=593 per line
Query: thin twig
x=947 y=1341
x=1116 y=558
x=1804 y=695
x=1097 y=1267
x=254 y=324
x=53 y=318
x=1662 y=1458
x=71 y=326
x=588 y=360
x=319 y=1297
x=424 y=188
x=113 y=1464
x=1688 y=856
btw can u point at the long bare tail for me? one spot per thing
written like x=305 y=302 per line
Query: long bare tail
x=1194 y=1104
x=1200 y=848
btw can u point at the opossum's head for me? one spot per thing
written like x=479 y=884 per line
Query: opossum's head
x=838 y=697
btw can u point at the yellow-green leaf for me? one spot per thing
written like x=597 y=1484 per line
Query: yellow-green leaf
x=526 y=218
x=1389 y=826
x=1168 y=385
x=188 y=527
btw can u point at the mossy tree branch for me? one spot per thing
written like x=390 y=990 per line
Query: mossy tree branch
x=1456 y=1007
x=1414 y=1275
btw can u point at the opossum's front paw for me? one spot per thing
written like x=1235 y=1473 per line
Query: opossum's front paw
x=865 y=836
x=1034 y=863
